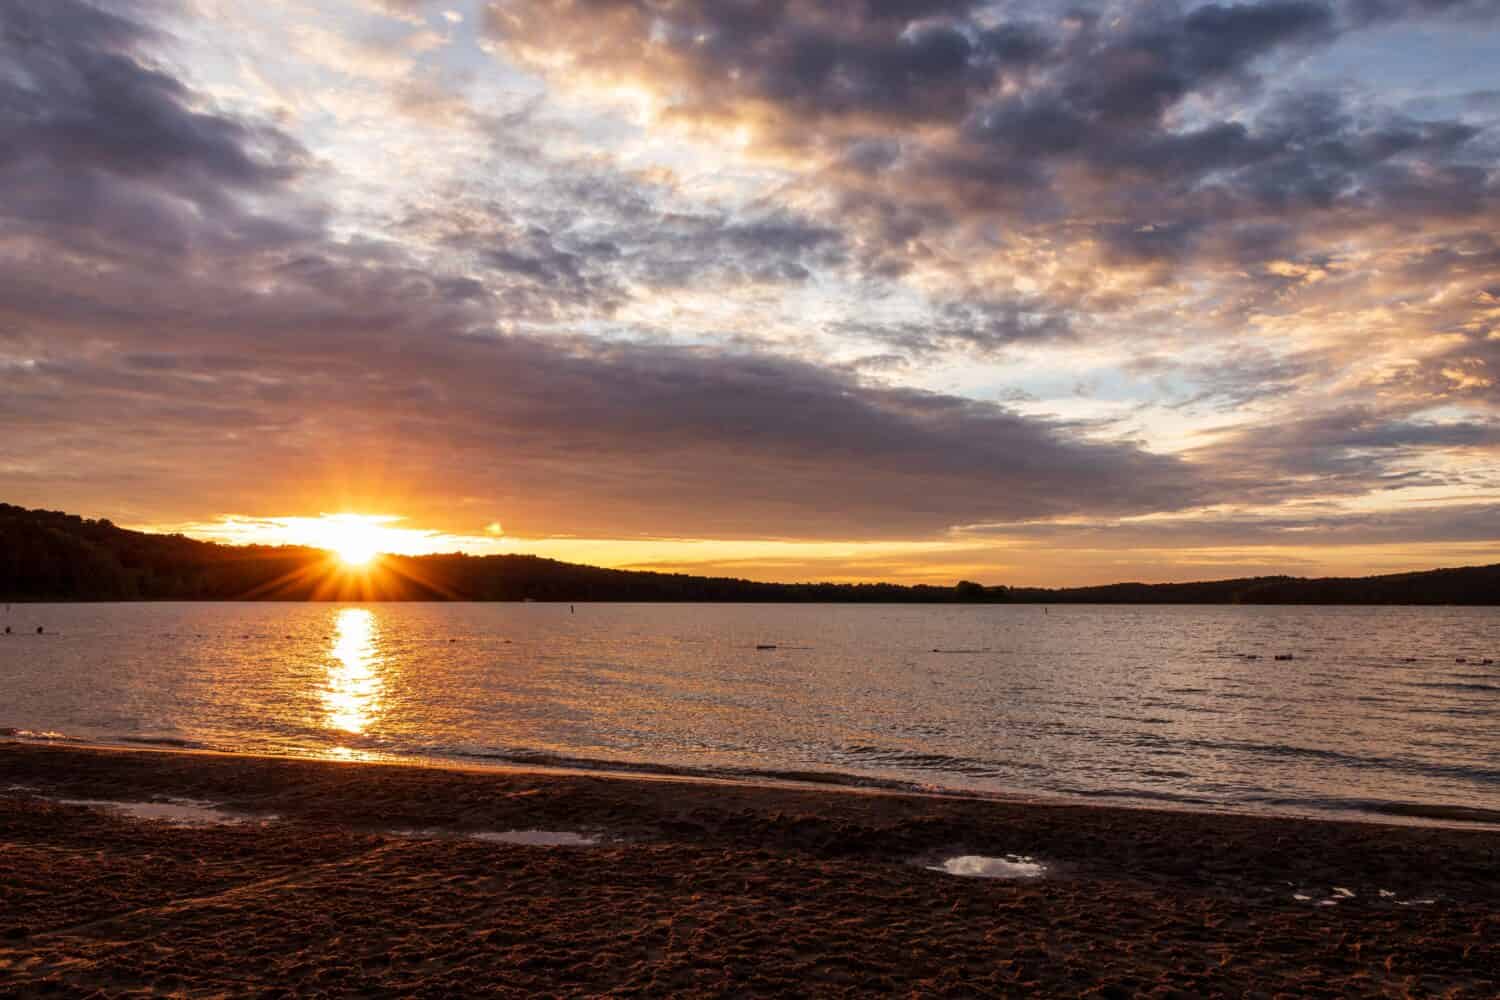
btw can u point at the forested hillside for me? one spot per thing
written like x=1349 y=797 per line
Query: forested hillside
x=52 y=556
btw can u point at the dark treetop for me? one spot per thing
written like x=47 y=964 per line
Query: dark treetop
x=51 y=556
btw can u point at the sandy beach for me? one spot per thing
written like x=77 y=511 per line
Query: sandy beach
x=376 y=880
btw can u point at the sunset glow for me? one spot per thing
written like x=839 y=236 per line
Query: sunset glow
x=356 y=540
x=351 y=694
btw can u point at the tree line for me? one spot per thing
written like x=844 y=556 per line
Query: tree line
x=53 y=556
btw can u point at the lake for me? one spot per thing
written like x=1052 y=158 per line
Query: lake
x=1373 y=714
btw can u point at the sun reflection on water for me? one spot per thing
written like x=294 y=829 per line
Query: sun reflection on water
x=352 y=694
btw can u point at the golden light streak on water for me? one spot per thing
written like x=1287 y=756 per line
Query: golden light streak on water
x=353 y=692
x=1375 y=711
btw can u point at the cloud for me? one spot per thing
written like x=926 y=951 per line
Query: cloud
x=264 y=346
x=1366 y=12
x=702 y=440
x=1139 y=136
x=881 y=216
x=102 y=151
x=1350 y=451
x=1415 y=526
x=79 y=95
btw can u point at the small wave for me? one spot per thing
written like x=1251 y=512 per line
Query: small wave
x=1424 y=810
x=1452 y=711
x=1396 y=764
x=1441 y=811
x=1454 y=686
x=1153 y=742
x=917 y=760
x=49 y=735
x=164 y=741
x=542 y=758
x=1137 y=793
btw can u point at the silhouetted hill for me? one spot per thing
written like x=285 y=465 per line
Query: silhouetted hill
x=51 y=556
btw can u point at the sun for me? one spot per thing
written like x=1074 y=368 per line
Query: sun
x=355 y=553
x=354 y=538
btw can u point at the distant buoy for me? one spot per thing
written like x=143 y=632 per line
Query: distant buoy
x=39 y=630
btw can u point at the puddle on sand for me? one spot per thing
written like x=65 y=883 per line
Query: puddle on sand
x=177 y=812
x=1012 y=866
x=539 y=838
x=1339 y=894
x=525 y=838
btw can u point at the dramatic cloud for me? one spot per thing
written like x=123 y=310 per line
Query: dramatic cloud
x=395 y=373
x=860 y=270
x=103 y=152
x=295 y=345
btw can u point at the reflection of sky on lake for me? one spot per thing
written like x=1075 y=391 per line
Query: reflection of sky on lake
x=1170 y=704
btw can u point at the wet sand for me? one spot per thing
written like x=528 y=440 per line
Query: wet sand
x=371 y=881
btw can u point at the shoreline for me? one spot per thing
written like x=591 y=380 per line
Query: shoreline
x=385 y=879
x=1382 y=813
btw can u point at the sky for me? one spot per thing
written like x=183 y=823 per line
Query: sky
x=916 y=290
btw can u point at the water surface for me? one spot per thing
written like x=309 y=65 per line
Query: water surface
x=1371 y=713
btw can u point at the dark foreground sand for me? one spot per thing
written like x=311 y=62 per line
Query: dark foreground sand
x=707 y=889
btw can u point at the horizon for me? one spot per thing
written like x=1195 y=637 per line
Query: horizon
x=357 y=556
x=1153 y=291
